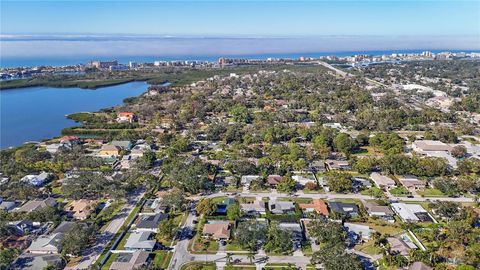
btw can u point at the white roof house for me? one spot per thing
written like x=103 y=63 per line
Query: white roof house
x=359 y=229
x=303 y=180
x=382 y=181
x=257 y=207
x=411 y=212
x=435 y=149
x=140 y=241
x=246 y=179
x=36 y=179
x=46 y=244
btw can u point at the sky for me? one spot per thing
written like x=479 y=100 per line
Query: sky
x=427 y=23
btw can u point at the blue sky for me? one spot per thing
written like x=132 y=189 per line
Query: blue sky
x=107 y=29
x=240 y=18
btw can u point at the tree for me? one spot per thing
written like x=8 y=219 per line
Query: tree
x=459 y=151
x=446 y=186
x=76 y=239
x=167 y=229
x=344 y=143
x=146 y=161
x=287 y=185
x=446 y=209
x=174 y=199
x=7 y=256
x=278 y=240
x=233 y=212
x=339 y=181
x=365 y=165
x=251 y=256
x=206 y=207
x=241 y=114
x=250 y=234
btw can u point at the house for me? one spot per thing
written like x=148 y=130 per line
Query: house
x=149 y=222
x=139 y=150
x=317 y=205
x=317 y=166
x=37 y=204
x=140 y=240
x=411 y=212
x=435 y=149
x=29 y=261
x=157 y=207
x=419 y=266
x=256 y=208
x=70 y=139
x=360 y=230
x=125 y=145
x=412 y=183
x=65 y=226
x=109 y=150
x=46 y=244
x=247 y=179
x=359 y=183
x=36 y=179
x=7 y=205
x=296 y=230
x=274 y=180
x=22 y=227
x=303 y=180
x=348 y=209
x=382 y=181
x=337 y=165
x=399 y=246
x=125 y=117
x=130 y=261
x=55 y=147
x=281 y=207
x=220 y=230
x=127 y=162
x=380 y=211
x=80 y=209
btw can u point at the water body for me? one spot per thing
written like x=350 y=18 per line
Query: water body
x=37 y=113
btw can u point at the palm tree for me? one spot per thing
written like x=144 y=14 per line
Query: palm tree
x=229 y=258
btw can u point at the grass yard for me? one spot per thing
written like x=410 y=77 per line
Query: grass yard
x=369 y=248
x=122 y=242
x=199 y=266
x=399 y=191
x=431 y=192
x=162 y=258
x=234 y=247
x=109 y=262
x=240 y=267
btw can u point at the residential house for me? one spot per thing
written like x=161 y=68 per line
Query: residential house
x=359 y=183
x=130 y=260
x=274 y=180
x=22 y=227
x=109 y=150
x=296 y=230
x=36 y=179
x=157 y=207
x=247 y=179
x=412 y=182
x=317 y=166
x=348 y=209
x=220 y=230
x=380 y=211
x=382 y=181
x=411 y=212
x=36 y=204
x=139 y=150
x=55 y=147
x=399 y=246
x=255 y=209
x=127 y=162
x=125 y=117
x=7 y=206
x=80 y=209
x=318 y=206
x=125 y=145
x=419 y=266
x=65 y=226
x=331 y=164
x=46 y=244
x=147 y=222
x=28 y=261
x=140 y=240
x=435 y=149
x=358 y=230
x=303 y=180
x=281 y=207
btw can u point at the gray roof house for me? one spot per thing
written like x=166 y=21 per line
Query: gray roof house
x=130 y=261
x=140 y=241
x=281 y=207
x=349 y=209
x=46 y=244
x=255 y=208
x=380 y=211
x=29 y=261
x=37 y=204
x=150 y=222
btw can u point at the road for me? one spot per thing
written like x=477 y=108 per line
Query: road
x=91 y=255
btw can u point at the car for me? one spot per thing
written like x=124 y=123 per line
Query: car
x=223 y=242
x=195 y=221
x=410 y=196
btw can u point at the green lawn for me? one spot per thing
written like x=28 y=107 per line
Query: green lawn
x=109 y=262
x=431 y=192
x=199 y=266
x=399 y=191
x=122 y=242
x=162 y=259
x=238 y=267
x=233 y=247
x=369 y=248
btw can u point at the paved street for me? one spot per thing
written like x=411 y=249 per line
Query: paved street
x=91 y=255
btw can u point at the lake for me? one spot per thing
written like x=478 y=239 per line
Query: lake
x=37 y=113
